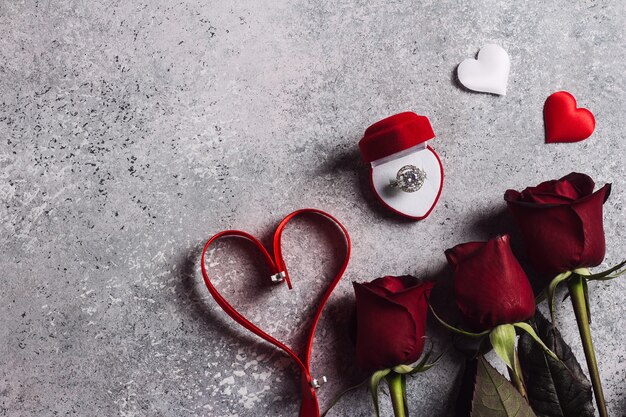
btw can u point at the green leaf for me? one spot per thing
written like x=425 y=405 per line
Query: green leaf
x=455 y=329
x=423 y=366
x=418 y=367
x=602 y=276
x=554 y=388
x=552 y=289
x=607 y=277
x=494 y=396
x=503 y=339
x=374 y=382
x=531 y=332
x=403 y=369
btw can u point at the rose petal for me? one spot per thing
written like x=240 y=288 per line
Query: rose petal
x=491 y=288
x=550 y=192
x=391 y=284
x=416 y=300
x=583 y=183
x=386 y=332
x=512 y=196
x=553 y=236
x=589 y=211
x=560 y=236
x=461 y=252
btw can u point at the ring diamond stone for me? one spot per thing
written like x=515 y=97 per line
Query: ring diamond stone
x=409 y=179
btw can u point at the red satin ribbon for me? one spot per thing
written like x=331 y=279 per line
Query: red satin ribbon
x=309 y=407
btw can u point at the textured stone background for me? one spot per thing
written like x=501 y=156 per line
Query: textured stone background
x=131 y=131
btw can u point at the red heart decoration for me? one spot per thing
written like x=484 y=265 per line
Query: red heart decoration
x=276 y=264
x=564 y=121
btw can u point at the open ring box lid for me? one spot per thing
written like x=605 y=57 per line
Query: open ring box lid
x=392 y=143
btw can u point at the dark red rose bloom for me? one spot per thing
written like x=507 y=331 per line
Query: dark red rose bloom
x=490 y=286
x=561 y=222
x=391 y=321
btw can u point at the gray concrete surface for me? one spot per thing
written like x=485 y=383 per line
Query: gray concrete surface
x=131 y=131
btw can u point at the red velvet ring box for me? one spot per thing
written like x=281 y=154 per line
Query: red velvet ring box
x=393 y=143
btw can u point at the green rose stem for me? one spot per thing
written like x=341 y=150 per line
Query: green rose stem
x=396 y=391
x=578 y=292
x=576 y=285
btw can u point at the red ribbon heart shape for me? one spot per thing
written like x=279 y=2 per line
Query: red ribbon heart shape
x=565 y=122
x=309 y=407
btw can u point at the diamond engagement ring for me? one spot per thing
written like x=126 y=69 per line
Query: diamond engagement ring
x=409 y=179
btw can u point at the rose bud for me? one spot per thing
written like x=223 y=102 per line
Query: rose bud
x=561 y=222
x=391 y=321
x=490 y=286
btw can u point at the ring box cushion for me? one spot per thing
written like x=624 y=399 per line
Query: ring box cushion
x=392 y=143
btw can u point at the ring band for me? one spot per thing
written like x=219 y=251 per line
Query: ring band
x=409 y=179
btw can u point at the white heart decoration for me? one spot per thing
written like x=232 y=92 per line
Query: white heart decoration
x=488 y=73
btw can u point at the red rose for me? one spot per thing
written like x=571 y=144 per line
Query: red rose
x=561 y=222
x=490 y=286
x=391 y=321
